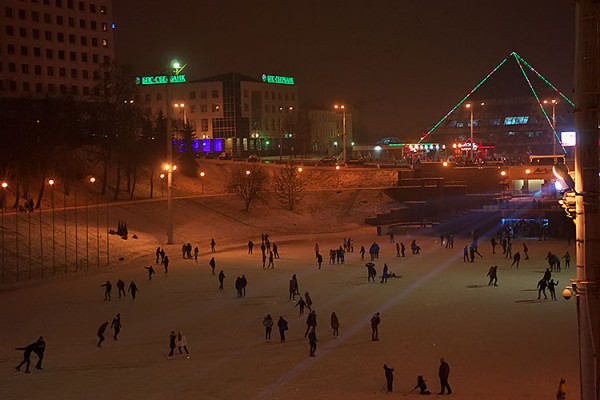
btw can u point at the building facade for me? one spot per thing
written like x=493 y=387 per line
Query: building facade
x=327 y=131
x=232 y=112
x=53 y=48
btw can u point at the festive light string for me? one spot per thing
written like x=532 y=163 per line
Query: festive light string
x=463 y=100
x=518 y=59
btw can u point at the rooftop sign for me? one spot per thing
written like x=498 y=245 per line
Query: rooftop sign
x=159 y=79
x=279 y=80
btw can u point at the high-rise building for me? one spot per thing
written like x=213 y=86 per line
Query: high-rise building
x=53 y=47
x=231 y=112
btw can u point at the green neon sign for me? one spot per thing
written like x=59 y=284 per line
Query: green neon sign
x=278 y=80
x=159 y=79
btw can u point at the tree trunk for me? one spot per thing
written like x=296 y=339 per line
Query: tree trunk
x=118 y=184
x=134 y=180
x=128 y=182
x=16 y=204
x=38 y=203
x=105 y=159
x=151 y=182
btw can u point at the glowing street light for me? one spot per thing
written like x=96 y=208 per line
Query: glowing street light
x=182 y=107
x=342 y=107
x=169 y=167
x=162 y=184
x=51 y=183
x=202 y=174
x=470 y=107
x=4 y=186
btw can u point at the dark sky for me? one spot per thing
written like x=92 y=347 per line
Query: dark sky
x=400 y=65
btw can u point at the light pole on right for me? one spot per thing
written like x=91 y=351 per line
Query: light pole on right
x=342 y=107
x=470 y=107
x=553 y=102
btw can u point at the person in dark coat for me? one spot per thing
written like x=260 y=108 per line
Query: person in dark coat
x=121 y=287
x=250 y=246
x=238 y=286
x=212 y=245
x=375 y=321
x=157 y=254
x=335 y=324
x=541 y=287
x=516 y=259
x=312 y=340
x=133 y=289
x=293 y=289
x=319 y=260
x=311 y=322
x=116 y=325
x=389 y=377
x=221 y=279
x=283 y=326
x=166 y=264
x=444 y=373
x=243 y=284
x=150 y=272
x=172 y=344
x=27 y=350
x=301 y=304
x=212 y=264
x=107 y=289
x=551 y=288
x=101 y=333
x=421 y=385
x=268 y=324
x=493 y=274
x=39 y=349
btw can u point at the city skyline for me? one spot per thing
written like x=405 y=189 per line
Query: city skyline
x=384 y=62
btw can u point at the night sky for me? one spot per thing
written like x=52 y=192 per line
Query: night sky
x=399 y=65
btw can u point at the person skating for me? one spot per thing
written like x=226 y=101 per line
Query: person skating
x=541 y=286
x=335 y=324
x=162 y=255
x=384 y=275
x=516 y=259
x=268 y=324
x=157 y=254
x=238 y=286
x=508 y=250
x=150 y=272
x=362 y=252
x=389 y=377
x=293 y=288
x=27 y=350
x=221 y=280
x=172 y=344
x=402 y=249
x=494 y=244
x=466 y=253
x=107 y=289
x=444 y=373
x=311 y=322
x=166 y=264
x=275 y=250
x=39 y=349
x=271 y=263
x=182 y=344
x=121 y=288
x=561 y=392
x=551 y=288
x=567 y=258
x=250 y=246
x=212 y=245
x=397 y=249
x=100 y=333
x=283 y=326
x=312 y=341
x=547 y=274
x=526 y=251
x=196 y=251
x=493 y=274
x=319 y=260
x=421 y=385
x=116 y=326
x=212 y=264
x=375 y=321
x=133 y=289
x=301 y=304
x=308 y=301
x=243 y=284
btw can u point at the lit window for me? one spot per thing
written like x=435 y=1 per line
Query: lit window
x=517 y=120
x=104 y=43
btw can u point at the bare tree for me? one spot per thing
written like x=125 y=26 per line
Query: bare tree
x=249 y=183
x=288 y=185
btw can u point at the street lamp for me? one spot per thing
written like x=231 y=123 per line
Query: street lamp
x=337 y=174
x=202 y=181
x=51 y=183
x=4 y=186
x=162 y=184
x=169 y=167
x=343 y=108
x=92 y=181
x=182 y=106
x=553 y=102
x=470 y=107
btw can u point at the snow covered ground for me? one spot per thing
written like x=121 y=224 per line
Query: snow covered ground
x=500 y=342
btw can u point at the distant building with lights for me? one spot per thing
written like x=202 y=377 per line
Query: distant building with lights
x=231 y=112
x=327 y=131
x=53 y=48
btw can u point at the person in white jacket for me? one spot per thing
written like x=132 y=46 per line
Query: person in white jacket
x=182 y=344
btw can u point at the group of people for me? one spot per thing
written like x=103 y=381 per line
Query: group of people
x=133 y=289
x=443 y=374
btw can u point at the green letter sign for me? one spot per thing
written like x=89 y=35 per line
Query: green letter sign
x=279 y=80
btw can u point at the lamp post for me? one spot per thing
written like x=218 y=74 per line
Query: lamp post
x=174 y=68
x=337 y=174
x=92 y=181
x=4 y=186
x=169 y=168
x=343 y=108
x=553 y=102
x=281 y=132
x=202 y=181
x=162 y=184
x=182 y=106
x=470 y=107
x=51 y=183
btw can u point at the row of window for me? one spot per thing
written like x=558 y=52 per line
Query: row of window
x=279 y=97
x=70 y=4
x=83 y=24
x=515 y=120
x=60 y=37
x=59 y=54
x=51 y=71
x=203 y=93
x=51 y=88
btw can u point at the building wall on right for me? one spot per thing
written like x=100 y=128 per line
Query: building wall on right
x=327 y=131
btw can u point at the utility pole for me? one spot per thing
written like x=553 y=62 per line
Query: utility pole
x=587 y=91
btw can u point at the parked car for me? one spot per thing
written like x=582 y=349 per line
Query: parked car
x=224 y=156
x=253 y=158
x=328 y=161
x=356 y=160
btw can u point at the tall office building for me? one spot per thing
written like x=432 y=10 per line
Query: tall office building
x=53 y=48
